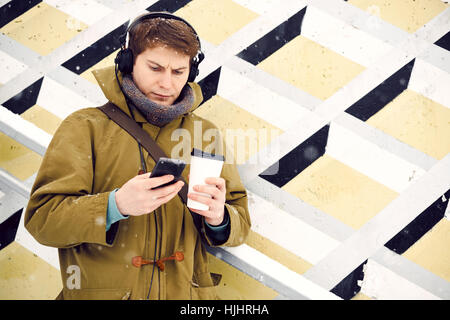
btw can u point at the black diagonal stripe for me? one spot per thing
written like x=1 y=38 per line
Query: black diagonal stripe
x=97 y=51
x=423 y=223
x=112 y=41
x=274 y=40
x=384 y=93
x=168 y=5
x=25 y=99
x=297 y=159
x=444 y=42
x=348 y=287
x=210 y=84
x=8 y=229
x=14 y=9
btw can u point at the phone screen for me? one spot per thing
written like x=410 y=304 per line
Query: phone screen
x=166 y=166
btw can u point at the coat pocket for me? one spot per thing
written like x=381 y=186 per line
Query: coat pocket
x=96 y=294
x=203 y=286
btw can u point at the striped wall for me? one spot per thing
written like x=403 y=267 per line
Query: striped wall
x=348 y=169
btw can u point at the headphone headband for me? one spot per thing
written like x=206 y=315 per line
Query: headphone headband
x=124 y=59
x=165 y=15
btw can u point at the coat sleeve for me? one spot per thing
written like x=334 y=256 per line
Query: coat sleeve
x=62 y=211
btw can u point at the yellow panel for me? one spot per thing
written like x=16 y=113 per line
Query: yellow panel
x=43 y=119
x=408 y=15
x=217 y=22
x=255 y=133
x=277 y=253
x=43 y=28
x=417 y=121
x=340 y=191
x=361 y=296
x=311 y=67
x=17 y=159
x=432 y=250
x=106 y=62
x=24 y=276
x=236 y=285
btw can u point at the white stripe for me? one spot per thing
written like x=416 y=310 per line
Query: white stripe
x=272 y=83
x=437 y=56
x=382 y=284
x=13 y=201
x=279 y=272
x=380 y=229
x=370 y=24
x=258 y=6
x=15 y=49
x=87 y=11
x=431 y=82
x=59 y=100
x=447 y=211
x=10 y=201
x=114 y=4
x=259 y=100
x=299 y=209
x=78 y=85
x=371 y=160
x=385 y=141
x=24 y=131
x=413 y=272
x=9 y=67
x=3 y=2
x=340 y=37
x=10 y=182
x=287 y=231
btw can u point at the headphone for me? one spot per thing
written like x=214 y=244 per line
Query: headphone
x=124 y=59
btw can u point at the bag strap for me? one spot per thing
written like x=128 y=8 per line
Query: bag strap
x=130 y=126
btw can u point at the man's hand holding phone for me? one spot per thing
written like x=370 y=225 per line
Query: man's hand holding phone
x=141 y=194
x=138 y=195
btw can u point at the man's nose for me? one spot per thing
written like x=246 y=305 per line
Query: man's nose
x=165 y=79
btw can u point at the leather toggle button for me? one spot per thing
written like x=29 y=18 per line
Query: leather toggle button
x=138 y=261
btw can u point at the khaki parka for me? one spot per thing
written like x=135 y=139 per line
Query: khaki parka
x=88 y=157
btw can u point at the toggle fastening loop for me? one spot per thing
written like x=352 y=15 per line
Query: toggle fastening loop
x=138 y=261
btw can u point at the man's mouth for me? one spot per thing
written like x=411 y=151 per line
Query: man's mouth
x=161 y=95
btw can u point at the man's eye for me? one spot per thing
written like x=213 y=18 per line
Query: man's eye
x=154 y=68
x=178 y=72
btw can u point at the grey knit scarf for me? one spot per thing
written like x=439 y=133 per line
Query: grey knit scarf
x=157 y=114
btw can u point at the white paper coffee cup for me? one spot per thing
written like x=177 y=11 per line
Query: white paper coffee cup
x=203 y=165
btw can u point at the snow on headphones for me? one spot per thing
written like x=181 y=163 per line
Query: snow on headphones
x=124 y=59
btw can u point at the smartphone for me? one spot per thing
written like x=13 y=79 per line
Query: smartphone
x=166 y=166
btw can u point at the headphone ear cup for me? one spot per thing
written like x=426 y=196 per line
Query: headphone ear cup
x=124 y=60
x=193 y=72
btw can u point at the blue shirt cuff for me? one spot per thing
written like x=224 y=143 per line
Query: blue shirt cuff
x=113 y=214
x=219 y=228
x=219 y=234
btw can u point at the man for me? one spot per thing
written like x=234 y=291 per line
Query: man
x=117 y=237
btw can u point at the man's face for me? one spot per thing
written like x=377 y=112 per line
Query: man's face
x=161 y=73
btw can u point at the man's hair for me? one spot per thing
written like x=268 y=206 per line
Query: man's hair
x=154 y=32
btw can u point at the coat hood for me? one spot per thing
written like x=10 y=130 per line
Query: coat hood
x=107 y=81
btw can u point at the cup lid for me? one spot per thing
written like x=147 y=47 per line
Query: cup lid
x=202 y=154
